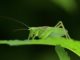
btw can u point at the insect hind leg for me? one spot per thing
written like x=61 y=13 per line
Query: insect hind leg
x=60 y=25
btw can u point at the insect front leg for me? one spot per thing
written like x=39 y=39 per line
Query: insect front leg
x=33 y=33
x=30 y=34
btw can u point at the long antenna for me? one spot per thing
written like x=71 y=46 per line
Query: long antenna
x=13 y=19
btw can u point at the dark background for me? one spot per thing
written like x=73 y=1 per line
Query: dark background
x=34 y=13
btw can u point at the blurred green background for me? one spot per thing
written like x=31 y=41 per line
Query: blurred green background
x=36 y=13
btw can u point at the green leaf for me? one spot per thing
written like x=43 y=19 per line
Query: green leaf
x=70 y=44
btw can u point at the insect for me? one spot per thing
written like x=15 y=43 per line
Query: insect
x=44 y=32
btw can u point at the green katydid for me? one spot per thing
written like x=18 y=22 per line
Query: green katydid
x=46 y=31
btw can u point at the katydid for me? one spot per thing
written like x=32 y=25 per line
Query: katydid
x=46 y=31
